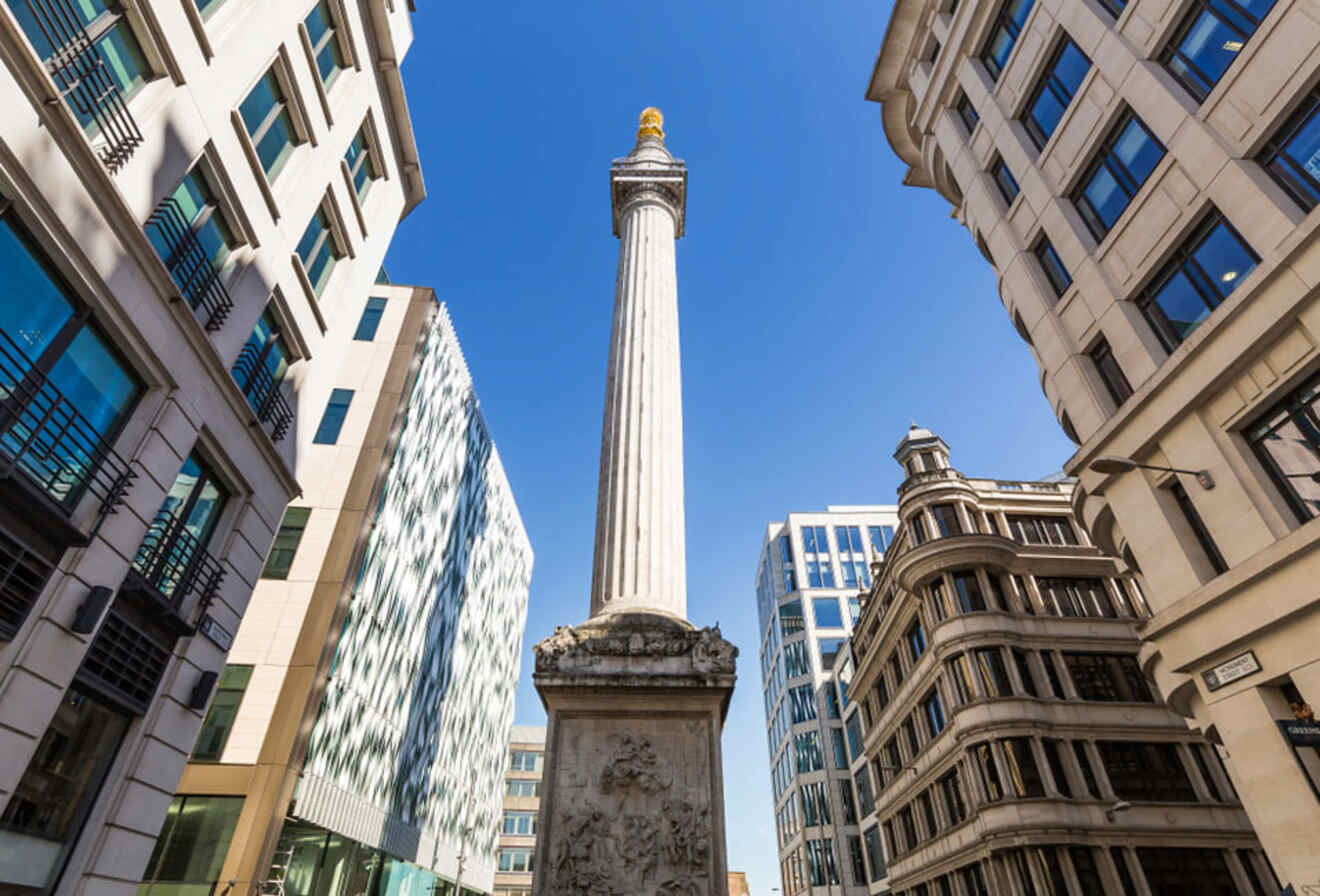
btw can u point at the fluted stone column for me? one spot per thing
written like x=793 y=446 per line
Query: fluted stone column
x=639 y=556
x=632 y=801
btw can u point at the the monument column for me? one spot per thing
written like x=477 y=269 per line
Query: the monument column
x=632 y=799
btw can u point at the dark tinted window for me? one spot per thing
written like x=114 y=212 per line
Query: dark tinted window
x=1209 y=38
x=1053 y=267
x=1122 y=164
x=1062 y=77
x=1008 y=187
x=1292 y=155
x=1110 y=373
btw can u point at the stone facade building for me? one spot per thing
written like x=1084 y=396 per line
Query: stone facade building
x=195 y=198
x=1143 y=175
x=522 y=802
x=1013 y=744
x=349 y=748
x=812 y=567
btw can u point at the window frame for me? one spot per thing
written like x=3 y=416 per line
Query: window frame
x=1048 y=80
x=1051 y=264
x=966 y=112
x=317 y=437
x=1004 y=180
x=1105 y=157
x=1111 y=374
x=1298 y=411
x=1187 y=23
x=1301 y=186
x=1003 y=22
x=338 y=249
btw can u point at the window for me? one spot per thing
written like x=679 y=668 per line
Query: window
x=881 y=538
x=820 y=573
x=855 y=858
x=960 y=676
x=993 y=672
x=325 y=40
x=951 y=795
x=907 y=824
x=47 y=808
x=318 y=250
x=1003 y=178
x=1023 y=664
x=1286 y=438
x=821 y=869
x=827 y=613
x=269 y=124
x=806 y=752
x=840 y=751
x=1209 y=39
x=206 y=7
x=1075 y=597
x=974 y=881
x=946 y=519
x=1052 y=265
x=524 y=761
x=361 y=166
x=174 y=547
x=1054 y=759
x=802 y=703
x=47 y=334
x=1041 y=529
x=918 y=529
x=519 y=823
x=1186 y=870
x=933 y=709
x=1057 y=86
x=1199 y=530
x=795 y=659
x=220 y=717
x=814 y=540
x=1292 y=154
x=370 y=320
x=966 y=112
x=524 y=788
x=815 y=804
x=1109 y=677
x=928 y=813
x=916 y=640
x=333 y=419
x=192 y=845
x=1146 y=772
x=909 y=729
x=263 y=363
x=1004 y=34
x=1116 y=384
x=875 y=854
x=514 y=859
x=191 y=235
x=967 y=588
x=1122 y=164
x=865 y=796
x=1023 y=774
x=1203 y=272
x=1084 y=763
x=984 y=761
x=831 y=701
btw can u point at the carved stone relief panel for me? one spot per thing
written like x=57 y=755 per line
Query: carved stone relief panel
x=631 y=809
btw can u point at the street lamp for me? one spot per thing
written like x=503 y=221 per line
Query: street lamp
x=1120 y=806
x=1111 y=464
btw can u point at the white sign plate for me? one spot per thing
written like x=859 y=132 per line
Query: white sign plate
x=1240 y=666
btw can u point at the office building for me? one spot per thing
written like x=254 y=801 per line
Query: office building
x=194 y=197
x=1142 y=176
x=522 y=803
x=356 y=744
x=812 y=568
x=1014 y=746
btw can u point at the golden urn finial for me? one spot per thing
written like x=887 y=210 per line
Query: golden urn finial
x=651 y=123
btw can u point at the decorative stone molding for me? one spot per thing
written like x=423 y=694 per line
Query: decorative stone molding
x=636 y=644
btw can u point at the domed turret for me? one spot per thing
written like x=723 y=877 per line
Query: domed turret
x=921 y=450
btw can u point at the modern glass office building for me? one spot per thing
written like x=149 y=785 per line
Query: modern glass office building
x=812 y=568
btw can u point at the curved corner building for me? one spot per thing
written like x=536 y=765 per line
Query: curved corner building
x=1143 y=176
x=1014 y=746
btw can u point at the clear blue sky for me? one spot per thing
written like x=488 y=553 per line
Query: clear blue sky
x=823 y=304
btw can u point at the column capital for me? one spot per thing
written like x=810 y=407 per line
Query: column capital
x=649 y=174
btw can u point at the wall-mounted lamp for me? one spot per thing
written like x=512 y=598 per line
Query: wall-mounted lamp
x=1314 y=477
x=1110 y=464
x=201 y=691
x=1120 y=806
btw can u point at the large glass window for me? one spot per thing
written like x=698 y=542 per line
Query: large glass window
x=829 y=651
x=840 y=750
x=1186 y=871
x=966 y=112
x=946 y=519
x=1200 y=275
x=1004 y=180
x=326 y=46
x=827 y=612
x=1023 y=774
x=1209 y=38
x=1292 y=154
x=1041 y=529
x=524 y=760
x=514 y=859
x=189 y=218
x=1057 y=86
x=175 y=544
x=361 y=166
x=795 y=658
x=1111 y=374
x=220 y=717
x=285 y=546
x=319 y=251
x=967 y=590
x=1122 y=164
x=519 y=823
x=993 y=673
x=46 y=332
x=802 y=702
x=1146 y=772
x=1004 y=34
x=370 y=320
x=269 y=124
x=263 y=362
x=336 y=411
x=881 y=538
x=933 y=710
x=806 y=752
x=983 y=759
x=192 y=845
x=46 y=811
x=111 y=34
x=1287 y=440
x=1075 y=597
x=1110 y=677
x=916 y=640
x=821 y=868
x=951 y=795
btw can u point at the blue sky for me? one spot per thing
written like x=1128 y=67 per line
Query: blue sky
x=823 y=305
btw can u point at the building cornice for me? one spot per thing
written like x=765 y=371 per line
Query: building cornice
x=398 y=118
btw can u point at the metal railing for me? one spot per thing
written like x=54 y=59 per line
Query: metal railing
x=46 y=439
x=22 y=576
x=174 y=565
x=189 y=263
x=263 y=392
x=84 y=80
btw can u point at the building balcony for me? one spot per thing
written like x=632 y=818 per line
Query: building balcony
x=263 y=392
x=174 y=234
x=51 y=456
x=919 y=563
x=930 y=477
x=174 y=574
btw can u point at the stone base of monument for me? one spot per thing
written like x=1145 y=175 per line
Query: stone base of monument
x=632 y=797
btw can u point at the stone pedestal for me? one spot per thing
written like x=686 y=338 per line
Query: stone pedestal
x=633 y=794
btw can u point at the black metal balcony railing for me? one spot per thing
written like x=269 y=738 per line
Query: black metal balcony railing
x=189 y=263
x=263 y=392
x=173 y=567
x=84 y=80
x=45 y=438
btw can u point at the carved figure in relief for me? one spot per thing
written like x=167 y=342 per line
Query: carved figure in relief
x=640 y=850
x=687 y=885
x=712 y=653
x=686 y=841
x=634 y=767
x=583 y=861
